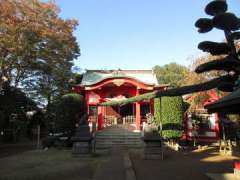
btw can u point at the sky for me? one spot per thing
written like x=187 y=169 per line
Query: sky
x=138 y=34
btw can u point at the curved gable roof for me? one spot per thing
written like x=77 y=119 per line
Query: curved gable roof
x=92 y=77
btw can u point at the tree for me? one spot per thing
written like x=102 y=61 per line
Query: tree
x=171 y=74
x=192 y=77
x=70 y=109
x=197 y=99
x=37 y=47
x=13 y=107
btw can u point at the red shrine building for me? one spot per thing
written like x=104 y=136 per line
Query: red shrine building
x=200 y=125
x=111 y=85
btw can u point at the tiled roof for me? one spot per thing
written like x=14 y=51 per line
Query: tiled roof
x=93 y=76
x=229 y=103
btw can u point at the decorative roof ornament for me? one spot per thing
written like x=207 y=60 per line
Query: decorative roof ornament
x=118 y=72
x=118 y=82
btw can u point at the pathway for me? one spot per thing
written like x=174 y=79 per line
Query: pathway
x=116 y=167
x=181 y=166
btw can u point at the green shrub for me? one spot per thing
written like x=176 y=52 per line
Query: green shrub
x=170 y=114
x=157 y=110
x=70 y=108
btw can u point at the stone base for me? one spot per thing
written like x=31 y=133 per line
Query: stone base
x=225 y=176
x=82 y=148
x=237 y=173
x=153 y=156
x=153 y=150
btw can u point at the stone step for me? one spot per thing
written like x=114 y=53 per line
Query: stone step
x=126 y=132
x=127 y=142
x=110 y=143
x=112 y=137
x=118 y=132
x=118 y=141
x=117 y=145
x=118 y=137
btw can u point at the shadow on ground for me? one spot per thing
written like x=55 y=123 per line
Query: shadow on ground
x=182 y=165
x=46 y=165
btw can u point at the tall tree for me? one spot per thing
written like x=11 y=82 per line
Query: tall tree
x=197 y=99
x=37 y=47
x=171 y=74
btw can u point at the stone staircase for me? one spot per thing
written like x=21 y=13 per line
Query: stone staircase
x=117 y=136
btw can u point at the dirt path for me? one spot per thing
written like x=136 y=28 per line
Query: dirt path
x=113 y=167
x=175 y=166
x=181 y=166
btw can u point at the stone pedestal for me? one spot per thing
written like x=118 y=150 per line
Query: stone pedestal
x=153 y=142
x=82 y=141
x=153 y=148
x=237 y=173
x=82 y=148
x=237 y=170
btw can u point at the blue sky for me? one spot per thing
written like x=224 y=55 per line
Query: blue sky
x=138 y=34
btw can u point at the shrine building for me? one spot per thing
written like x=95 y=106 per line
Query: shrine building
x=206 y=124
x=112 y=85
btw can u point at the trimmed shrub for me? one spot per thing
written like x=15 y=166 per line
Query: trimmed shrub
x=157 y=111
x=171 y=116
x=70 y=109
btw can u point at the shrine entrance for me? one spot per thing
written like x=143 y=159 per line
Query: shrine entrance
x=128 y=114
x=116 y=115
x=99 y=86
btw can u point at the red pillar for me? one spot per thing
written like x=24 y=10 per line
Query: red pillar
x=151 y=104
x=100 y=118
x=217 y=126
x=138 y=116
x=138 y=113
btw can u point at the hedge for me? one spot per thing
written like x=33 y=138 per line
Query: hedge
x=170 y=114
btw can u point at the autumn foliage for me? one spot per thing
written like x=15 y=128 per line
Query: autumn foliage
x=37 y=47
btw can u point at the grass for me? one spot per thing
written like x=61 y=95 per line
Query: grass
x=51 y=164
